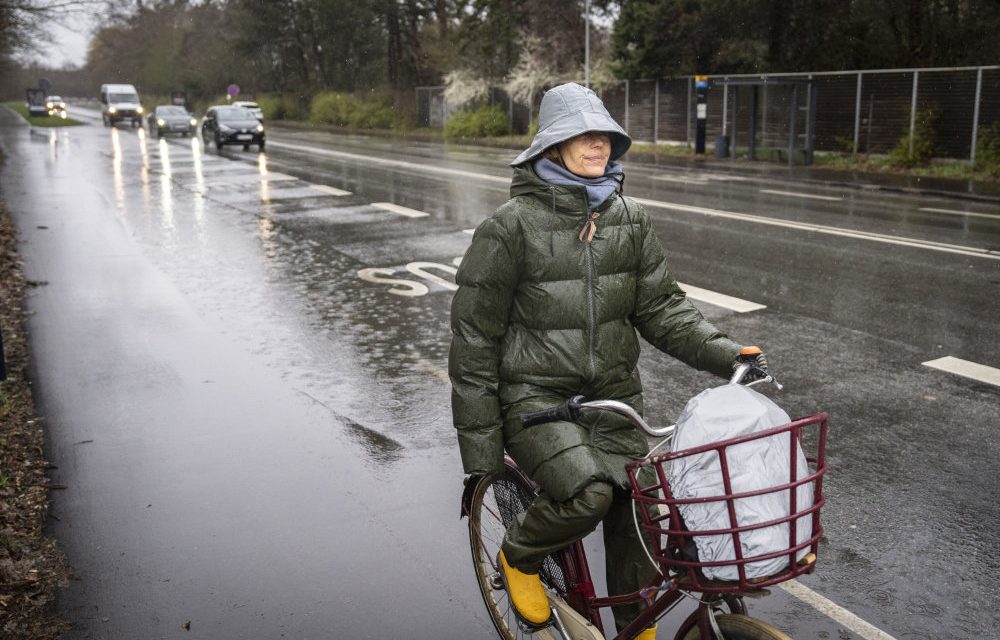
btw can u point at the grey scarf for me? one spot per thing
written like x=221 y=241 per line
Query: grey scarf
x=598 y=189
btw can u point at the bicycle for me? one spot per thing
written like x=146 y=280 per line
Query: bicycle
x=491 y=502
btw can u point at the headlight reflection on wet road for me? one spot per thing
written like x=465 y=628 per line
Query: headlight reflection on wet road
x=116 y=168
x=265 y=192
x=166 y=187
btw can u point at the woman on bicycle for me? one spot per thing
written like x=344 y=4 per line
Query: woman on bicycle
x=551 y=294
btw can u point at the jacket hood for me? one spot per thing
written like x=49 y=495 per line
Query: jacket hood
x=567 y=111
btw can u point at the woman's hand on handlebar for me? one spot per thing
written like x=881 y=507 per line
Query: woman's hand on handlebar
x=754 y=361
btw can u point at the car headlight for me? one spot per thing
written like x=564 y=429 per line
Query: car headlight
x=112 y=110
x=138 y=109
x=161 y=121
x=260 y=128
x=194 y=122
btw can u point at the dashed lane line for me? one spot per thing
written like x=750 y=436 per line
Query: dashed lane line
x=720 y=299
x=956 y=212
x=403 y=211
x=795 y=194
x=680 y=179
x=966 y=369
x=833 y=611
x=331 y=190
x=991 y=254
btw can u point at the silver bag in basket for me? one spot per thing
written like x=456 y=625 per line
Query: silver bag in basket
x=719 y=414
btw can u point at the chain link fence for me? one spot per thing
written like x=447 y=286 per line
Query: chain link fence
x=867 y=111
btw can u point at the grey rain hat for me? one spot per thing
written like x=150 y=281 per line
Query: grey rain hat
x=567 y=111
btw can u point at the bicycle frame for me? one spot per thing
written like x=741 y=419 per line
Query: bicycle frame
x=677 y=577
x=582 y=596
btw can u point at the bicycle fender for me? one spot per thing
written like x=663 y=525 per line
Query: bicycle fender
x=470 y=488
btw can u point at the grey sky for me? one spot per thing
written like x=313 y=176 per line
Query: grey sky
x=67 y=45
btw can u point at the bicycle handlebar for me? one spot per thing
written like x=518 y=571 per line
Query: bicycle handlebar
x=567 y=411
x=570 y=410
x=744 y=368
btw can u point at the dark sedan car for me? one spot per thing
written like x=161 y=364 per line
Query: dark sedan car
x=168 y=118
x=232 y=125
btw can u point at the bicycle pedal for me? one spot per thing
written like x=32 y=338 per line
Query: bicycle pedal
x=496 y=582
x=529 y=628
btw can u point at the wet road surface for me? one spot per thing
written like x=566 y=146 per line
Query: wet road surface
x=240 y=359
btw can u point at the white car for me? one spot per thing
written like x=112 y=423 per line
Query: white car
x=252 y=107
x=55 y=106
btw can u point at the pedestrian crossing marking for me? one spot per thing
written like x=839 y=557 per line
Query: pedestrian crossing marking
x=403 y=211
x=331 y=190
x=966 y=369
x=720 y=299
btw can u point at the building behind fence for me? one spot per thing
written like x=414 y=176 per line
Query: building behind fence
x=855 y=111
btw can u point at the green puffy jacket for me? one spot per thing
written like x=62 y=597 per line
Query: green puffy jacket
x=541 y=315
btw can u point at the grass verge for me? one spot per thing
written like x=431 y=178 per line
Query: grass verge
x=32 y=567
x=951 y=169
x=45 y=121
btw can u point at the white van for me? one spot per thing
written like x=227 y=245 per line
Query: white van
x=120 y=102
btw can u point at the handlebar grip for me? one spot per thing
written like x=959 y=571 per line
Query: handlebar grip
x=567 y=411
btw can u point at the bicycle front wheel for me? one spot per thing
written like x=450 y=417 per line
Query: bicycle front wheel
x=735 y=626
x=495 y=502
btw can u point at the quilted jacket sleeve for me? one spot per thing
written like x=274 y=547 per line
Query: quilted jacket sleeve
x=486 y=280
x=667 y=319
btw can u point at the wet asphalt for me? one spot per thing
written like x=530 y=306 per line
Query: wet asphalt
x=240 y=361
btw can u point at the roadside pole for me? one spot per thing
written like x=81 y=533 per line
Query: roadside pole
x=701 y=92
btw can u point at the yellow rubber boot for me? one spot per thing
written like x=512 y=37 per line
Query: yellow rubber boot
x=647 y=634
x=526 y=593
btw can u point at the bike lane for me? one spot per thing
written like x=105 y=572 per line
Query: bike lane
x=206 y=495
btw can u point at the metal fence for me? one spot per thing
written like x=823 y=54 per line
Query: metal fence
x=867 y=111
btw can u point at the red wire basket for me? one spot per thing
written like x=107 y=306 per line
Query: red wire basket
x=674 y=546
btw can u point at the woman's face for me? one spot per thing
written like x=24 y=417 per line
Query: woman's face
x=587 y=154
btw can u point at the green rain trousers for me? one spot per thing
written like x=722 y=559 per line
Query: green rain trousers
x=548 y=526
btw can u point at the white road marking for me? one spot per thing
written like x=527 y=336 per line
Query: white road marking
x=725 y=177
x=469 y=231
x=277 y=177
x=720 y=299
x=955 y=212
x=979 y=372
x=802 y=195
x=667 y=178
x=819 y=228
x=331 y=190
x=403 y=211
x=834 y=611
